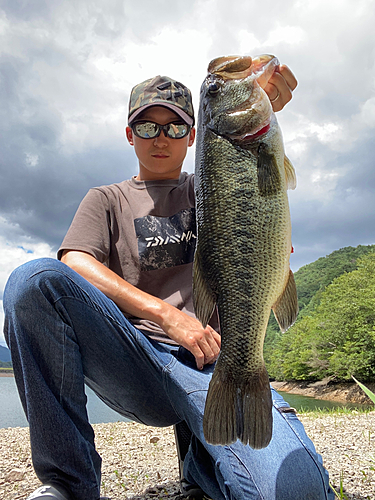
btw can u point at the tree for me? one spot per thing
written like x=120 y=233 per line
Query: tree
x=338 y=338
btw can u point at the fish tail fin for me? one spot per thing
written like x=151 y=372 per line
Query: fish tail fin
x=285 y=308
x=238 y=409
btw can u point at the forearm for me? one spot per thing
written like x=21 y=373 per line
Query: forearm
x=202 y=342
x=127 y=297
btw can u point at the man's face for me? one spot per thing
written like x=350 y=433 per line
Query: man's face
x=161 y=157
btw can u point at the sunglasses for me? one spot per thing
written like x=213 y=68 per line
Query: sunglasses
x=150 y=130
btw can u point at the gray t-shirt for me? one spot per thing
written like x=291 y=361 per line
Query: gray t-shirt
x=145 y=232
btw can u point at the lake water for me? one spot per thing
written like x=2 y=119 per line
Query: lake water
x=11 y=412
x=308 y=403
x=12 y=415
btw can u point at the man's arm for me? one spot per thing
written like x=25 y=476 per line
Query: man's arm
x=203 y=343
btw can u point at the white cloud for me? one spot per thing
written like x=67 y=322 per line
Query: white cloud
x=285 y=34
x=248 y=43
x=32 y=160
x=366 y=117
x=326 y=132
x=13 y=254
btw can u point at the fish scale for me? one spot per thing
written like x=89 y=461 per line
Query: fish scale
x=241 y=263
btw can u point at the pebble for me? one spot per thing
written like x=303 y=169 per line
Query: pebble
x=140 y=463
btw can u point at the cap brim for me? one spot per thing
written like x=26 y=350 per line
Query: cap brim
x=187 y=119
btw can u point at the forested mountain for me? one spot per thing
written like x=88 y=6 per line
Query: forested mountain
x=334 y=335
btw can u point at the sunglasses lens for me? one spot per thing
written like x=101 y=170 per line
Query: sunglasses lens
x=150 y=130
x=177 y=130
x=146 y=130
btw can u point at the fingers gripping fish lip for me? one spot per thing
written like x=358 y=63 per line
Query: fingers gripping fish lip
x=263 y=68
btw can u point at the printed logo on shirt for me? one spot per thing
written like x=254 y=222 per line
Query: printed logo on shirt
x=166 y=241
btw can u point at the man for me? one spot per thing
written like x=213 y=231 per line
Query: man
x=116 y=313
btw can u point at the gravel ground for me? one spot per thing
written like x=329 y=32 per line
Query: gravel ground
x=140 y=463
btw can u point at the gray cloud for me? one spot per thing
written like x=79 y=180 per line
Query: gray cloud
x=41 y=181
x=65 y=71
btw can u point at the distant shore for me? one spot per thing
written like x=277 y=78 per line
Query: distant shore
x=341 y=392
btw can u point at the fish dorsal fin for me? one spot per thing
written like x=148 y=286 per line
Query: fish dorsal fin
x=285 y=308
x=203 y=298
x=290 y=174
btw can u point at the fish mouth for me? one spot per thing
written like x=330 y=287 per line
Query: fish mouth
x=239 y=67
x=231 y=67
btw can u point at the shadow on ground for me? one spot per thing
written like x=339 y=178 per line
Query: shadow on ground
x=170 y=491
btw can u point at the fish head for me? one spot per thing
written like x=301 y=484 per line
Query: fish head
x=233 y=103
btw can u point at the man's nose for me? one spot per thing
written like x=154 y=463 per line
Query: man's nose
x=162 y=139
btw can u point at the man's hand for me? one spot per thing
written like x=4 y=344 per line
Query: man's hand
x=203 y=343
x=280 y=87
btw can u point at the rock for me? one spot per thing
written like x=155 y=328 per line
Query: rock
x=15 y=475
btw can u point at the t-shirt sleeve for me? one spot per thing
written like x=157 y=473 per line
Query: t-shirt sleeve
x=90 y=229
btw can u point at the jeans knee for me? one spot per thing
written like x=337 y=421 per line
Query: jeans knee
x=20 y=288
x=302 y=476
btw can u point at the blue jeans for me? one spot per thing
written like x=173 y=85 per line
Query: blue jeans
x=63 y=332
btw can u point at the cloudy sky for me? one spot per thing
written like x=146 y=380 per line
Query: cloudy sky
x=66 y=68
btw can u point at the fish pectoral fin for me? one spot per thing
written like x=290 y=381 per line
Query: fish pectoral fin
x=290 y=174
x=238 y=408
x=269 y=180
x=285 y=308
x=204 y=300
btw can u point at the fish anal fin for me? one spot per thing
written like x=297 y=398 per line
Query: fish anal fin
x=290 y=174
x=204 y=300
x=238 y=409
x=285 y=308
x=269 y=180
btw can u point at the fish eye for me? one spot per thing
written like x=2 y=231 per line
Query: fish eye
x=213 y=87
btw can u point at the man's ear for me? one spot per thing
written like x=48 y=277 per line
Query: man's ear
x=191 y=137
x=129 y=135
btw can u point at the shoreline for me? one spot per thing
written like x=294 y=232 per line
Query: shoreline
x=341 y=392
x=329 y=391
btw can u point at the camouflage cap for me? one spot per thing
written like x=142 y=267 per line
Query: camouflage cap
x=161 y=91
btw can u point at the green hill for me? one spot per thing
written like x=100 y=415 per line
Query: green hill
x=334 y=335
x=312 y=279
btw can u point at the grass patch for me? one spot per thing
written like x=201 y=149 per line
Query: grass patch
x=342 y=410
x=366 y=390
x=6 y=369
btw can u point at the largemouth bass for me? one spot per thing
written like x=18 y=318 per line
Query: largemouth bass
x=241 y=263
